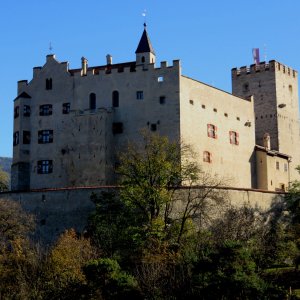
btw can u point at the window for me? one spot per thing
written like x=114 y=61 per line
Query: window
x=285 y=167
x=44 y=166
x=115 y=99
x=49 y=84
x=16 y=112
x=212 y=131
x=191 y=101
x=66 y=108
x=139 y=95
x=26 y=137
x=92 y=101
x=46 y=110
x=26 y=111
x=16 y=138
x=45 y=136
x=117 y=128
x=277 y=165
x=153 y=127
x=246 y=87
x=160 y=79
x=215 y=110
x=143 y=59
x=233 y=137
x=162 y=99
x=207 y=156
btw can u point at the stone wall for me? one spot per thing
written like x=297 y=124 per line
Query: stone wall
x=59 y=209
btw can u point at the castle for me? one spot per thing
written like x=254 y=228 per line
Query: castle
x=70 y=124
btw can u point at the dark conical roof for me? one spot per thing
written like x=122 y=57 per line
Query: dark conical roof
x=145 y=44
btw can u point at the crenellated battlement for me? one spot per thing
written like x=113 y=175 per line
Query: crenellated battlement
x=130 y=67
x=271 y=66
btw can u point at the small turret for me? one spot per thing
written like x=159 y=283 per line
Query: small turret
x=145 y=53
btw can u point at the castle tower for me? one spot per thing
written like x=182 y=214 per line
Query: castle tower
x=275 y=90
x=145 y=53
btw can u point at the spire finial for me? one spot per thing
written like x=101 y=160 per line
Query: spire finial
x=145 y=25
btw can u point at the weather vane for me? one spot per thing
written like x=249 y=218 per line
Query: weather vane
x=50 y=47
x=144 y=13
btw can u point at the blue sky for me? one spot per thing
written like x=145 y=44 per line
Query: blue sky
x=210 y=38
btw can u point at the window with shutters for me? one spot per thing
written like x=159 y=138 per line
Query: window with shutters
x=207 y=157
x=46 y=110
x=212 y=131
x=234 y=137
x=45 y=136
x=44 y=166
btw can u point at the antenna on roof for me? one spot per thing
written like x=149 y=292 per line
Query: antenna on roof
x=50 y=47
x=265 y=52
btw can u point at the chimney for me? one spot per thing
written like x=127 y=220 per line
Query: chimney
x=267 y=141
x=109 y=59
x=84 y=66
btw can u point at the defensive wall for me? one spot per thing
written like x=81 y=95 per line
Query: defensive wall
x=59 y=209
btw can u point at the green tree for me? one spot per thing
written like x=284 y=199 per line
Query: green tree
x=4 y=181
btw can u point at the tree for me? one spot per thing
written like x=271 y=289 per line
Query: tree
x=4 y=181
x=162 y=181
x=64 y=275
x=15 y=223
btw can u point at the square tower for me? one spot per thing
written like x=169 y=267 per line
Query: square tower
x=275 y=90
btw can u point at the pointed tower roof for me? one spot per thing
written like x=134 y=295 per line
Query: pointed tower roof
x=145 y=44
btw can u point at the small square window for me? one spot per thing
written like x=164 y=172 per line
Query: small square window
x=203 y=106
x=162 y=99
x=153 y=127
x=226 y=115
x=139 y=95
x=238 y=118
x=192 y=102
x=215 y=110
x=160 y=79
x=66 y=107
x=117 y=128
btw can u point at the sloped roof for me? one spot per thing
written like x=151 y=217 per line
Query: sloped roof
x=145 y=44
x=23 y=95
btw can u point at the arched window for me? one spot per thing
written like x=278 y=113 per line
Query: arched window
x=115 y=99
x=92 y=101
x=143 y=59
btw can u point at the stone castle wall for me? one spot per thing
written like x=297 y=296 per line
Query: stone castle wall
x=59 y=209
